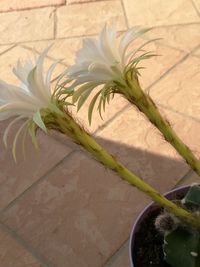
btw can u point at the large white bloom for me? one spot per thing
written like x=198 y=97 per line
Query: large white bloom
x=105 y=61
x=27 y=100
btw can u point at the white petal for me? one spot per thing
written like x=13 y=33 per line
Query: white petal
x=22 y=71
x=101 y=71
x=48 y=77
x=18 y=108
x=127 y=38
x=6 y=132
x=16 y=138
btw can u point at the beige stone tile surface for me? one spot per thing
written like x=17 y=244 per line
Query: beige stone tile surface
x=11 y=5
x=197 y=52
x=186 y=128
x=97 y=14
x=160 y=12
x=197 y=5
x=4 y=48
x=17 y=177
x=183 y=37
x=189 y=179
x=9 y=60
x=26 y=25
x=80 y=214
x=12 y=254
x=140 y=147
x=121 y=258
x=179 y=89
x=70 y=2
x=64 y=49
x=67 y=206
x=158 y=64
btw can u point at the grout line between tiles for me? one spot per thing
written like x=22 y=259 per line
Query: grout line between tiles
x=87 y=2
x=195 y=7
x=8 y=49
x=42 y=178
x=55 y=23
x=174 y=66
x=31 y=8
x=184 y=178
x=175 y=25
x=94 y=34
x=116 y=254
x=147 y=89
x=179 y=113
x=102 y=127
x=125 y=15
x=38 y=52
x=26 y=245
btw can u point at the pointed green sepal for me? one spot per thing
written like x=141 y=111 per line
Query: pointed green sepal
x=39 y=122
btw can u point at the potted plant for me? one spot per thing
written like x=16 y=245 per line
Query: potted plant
x=160 y=239
x=104 y=62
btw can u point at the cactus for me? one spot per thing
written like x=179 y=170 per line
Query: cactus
x=182 y=245
x=65 y=124
x=136 y=96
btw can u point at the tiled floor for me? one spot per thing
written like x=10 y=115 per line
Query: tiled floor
x=61 y=208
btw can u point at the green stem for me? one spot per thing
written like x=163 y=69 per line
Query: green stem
x=145 y=104
x=66 y=125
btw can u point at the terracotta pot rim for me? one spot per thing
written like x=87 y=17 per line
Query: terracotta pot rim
x=142 y=214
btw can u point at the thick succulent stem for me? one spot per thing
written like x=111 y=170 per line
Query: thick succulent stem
x=66 y=125
x=145 y=104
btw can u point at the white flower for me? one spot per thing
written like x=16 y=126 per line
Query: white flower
x=105 y=61
x=27 y=100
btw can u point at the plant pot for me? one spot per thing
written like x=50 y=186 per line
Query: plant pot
x=151 y=210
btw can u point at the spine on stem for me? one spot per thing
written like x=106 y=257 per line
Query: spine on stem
x=146 y=105
x=66 y=125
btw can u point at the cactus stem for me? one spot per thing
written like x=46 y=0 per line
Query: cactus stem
x=145 y=104
x=66 y=125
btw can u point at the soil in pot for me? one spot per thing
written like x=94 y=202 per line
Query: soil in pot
x=148 y=250
x=148 y=244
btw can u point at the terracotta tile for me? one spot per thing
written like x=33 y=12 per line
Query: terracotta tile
x=156 y=12
x=16 y=178
x=141 y=147
x=179 y=90
x=11 y=5
x=183 y=37
x=26 y=25
x=97 y=14
x=71 y=215
x=13 y=254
